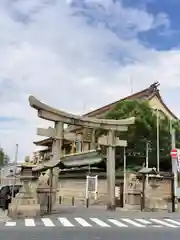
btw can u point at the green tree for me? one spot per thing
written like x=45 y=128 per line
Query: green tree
x=143 y=132
x=4 y=158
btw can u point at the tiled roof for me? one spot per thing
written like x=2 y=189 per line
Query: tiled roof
x=147 y=93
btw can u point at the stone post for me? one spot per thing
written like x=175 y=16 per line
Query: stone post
x=57 y=153
x=111 y=171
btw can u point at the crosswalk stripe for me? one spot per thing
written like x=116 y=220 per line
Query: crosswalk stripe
x=82 y=222
x=10 y=224
x=172 y=221
x=163 y=223
x=47 y=222
x=143 y=221
x=65 y=222
x=109 y=222
x=132 y=222
x=99 y=222
x=117 y=223
x=29 y=222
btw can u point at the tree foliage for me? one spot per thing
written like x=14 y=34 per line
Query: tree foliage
x=144 y=133
x=4 y=158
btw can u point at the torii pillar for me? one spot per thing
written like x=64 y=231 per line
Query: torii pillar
x=111 y=141
x=56 y=155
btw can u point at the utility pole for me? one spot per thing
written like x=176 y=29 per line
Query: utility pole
x=157 y=140
x=125 y=187
x=173 y=162
x=147 y=159
x=147 y=154
x=14 y=170
x=131 y=85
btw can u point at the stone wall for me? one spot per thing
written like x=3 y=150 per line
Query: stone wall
x=69 y=188
x=77 y=188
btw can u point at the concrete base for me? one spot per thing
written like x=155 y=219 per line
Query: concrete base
x=156 y=204
x=24 y=205
x=23 y=211
x=111 y=207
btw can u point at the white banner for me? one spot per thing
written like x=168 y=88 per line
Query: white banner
x=91 y=185
x=178 y=160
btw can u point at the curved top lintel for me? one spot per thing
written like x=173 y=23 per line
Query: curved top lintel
x=38 y=105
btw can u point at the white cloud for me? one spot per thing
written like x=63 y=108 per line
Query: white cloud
x=49 y=51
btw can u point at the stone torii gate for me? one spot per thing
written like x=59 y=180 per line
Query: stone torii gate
x=60 y=118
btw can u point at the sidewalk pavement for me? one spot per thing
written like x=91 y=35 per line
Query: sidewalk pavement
x=102 y=211
x=3 y=216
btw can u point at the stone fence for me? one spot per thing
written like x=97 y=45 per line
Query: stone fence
x=75 y=187
x=70 y=187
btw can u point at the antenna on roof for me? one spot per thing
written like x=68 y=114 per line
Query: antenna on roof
x=131 y=85
x=84 y=108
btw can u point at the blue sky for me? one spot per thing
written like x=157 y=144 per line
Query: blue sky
x=170 y=38
x=78 y=55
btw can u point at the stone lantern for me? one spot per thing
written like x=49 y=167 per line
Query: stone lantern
x=154 y=199
x=148 y=193
x=25 y=203
x=154 y=180
x=150 y=196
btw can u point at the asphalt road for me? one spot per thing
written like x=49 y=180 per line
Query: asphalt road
x=59 y=232
x=84 y=234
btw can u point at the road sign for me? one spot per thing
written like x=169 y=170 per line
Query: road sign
x=174 y=153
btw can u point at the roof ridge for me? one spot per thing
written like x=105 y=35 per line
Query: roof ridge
x=153 y=88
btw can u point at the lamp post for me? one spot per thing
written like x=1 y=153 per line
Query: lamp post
x=14 y=171
x=157 y=137
x=147 y=159
x=174 y=163
x=125 y=192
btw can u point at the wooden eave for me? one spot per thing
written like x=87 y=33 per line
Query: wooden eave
x=164 y=105
x=45 y=142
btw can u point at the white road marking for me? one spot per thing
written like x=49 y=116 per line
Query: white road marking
x=29 y=222
x=143 y=221
x=65 y=222
x=132 y=222
x=82 y=222
x=117 y=223
x=10 y=224
x=99 y=222
x=47 y=222
x=163 y=223
x=172 y=221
